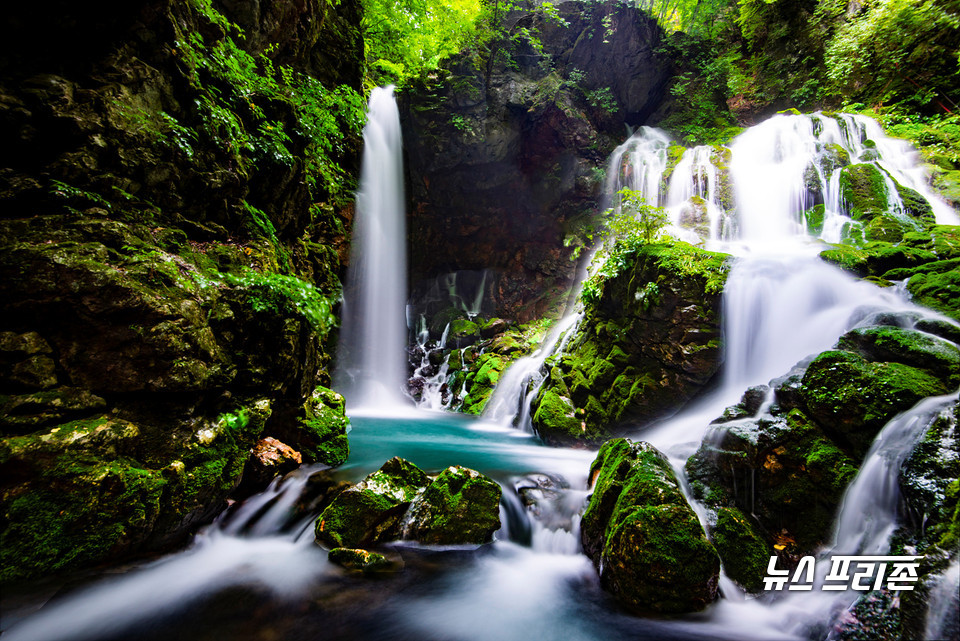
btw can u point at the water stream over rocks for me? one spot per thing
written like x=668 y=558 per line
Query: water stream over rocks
x=256 y=573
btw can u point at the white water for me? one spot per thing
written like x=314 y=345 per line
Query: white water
x=372 y=367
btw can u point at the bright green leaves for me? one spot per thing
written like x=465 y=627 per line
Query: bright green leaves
x=408 y=38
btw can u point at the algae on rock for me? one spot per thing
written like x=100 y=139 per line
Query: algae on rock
x=643 y=537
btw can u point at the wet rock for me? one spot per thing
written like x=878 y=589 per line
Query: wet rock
x=784 y=470
x=459 y=506
x=650 y=341
x=370 y=511
x=323 y=424
x=853 y=398
x=906 y=346
x=743 y=549
x=748 y=406
x=644 y=539
x=363 y=560
x=399 y=501
x=24 y=413
x=929 y=485
x=268 y=458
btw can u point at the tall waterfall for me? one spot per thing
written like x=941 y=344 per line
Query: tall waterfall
x=372 y=367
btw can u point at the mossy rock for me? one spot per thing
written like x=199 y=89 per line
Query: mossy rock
x=853 y=398
x=94 y=489
x=813 y=219
x=362 y=560
x=864 y=190
x=907 y=346
x=783 y=469
x=742 y=548
x=650 y=341
x=460 y=506
x=370 y=511
x=439 y=321
x=463 y=332
x=929 y=486
x=938 y=287
x=643 y=537
x=556 y=416
x=322 y=436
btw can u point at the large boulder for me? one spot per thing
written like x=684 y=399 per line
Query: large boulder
x=459 y=506
x=649 y=342
x=643 y=537
x=784 y=470
x=399 y=501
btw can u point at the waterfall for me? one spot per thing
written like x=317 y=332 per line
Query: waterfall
x=372 y=369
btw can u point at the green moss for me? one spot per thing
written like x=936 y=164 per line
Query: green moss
x=556 y=415
x=459 y=506
x=323 y=426
x=910 y=347
x=939 y=290
x=370 y=512
x=813 y=219
x=864 y=191
x=854 y=398
x=743 y=550
x=64 y=525
x=847 y=258
x=644 y=538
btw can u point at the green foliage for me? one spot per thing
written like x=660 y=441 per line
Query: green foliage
x=632 y=224
x=257 y=113
x=270 y=291
x=407 y=39
x=897 y=50
x=701 y=116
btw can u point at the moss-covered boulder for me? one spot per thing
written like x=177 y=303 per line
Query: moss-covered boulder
x=399 y=501
x=743 y=549
x=649 y=342
x=643 y=537
x=459 y=506
x=864 y=191
x=323 y=425
x=370 y=511
x=783 y=469
x=99 y=488
x=853 y=398
x=929 y=484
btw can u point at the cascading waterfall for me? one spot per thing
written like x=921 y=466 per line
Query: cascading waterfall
x=781 y=305
x=372 y=367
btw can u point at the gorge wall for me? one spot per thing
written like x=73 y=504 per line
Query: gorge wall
x=173 y=202
x=506 y=147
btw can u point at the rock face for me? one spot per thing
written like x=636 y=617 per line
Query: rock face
x=506 y=157
x=399 y=501
x=790 y=467
x=649 y=342
x=170 y=219
x=643 y=537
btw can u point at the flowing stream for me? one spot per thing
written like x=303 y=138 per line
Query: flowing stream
x=256 y=573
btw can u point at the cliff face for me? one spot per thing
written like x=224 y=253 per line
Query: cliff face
x=506 y=157
x=173 y=196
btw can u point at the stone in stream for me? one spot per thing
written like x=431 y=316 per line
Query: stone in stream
x=399 y=501
x=643 y=537
x=363 y=560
